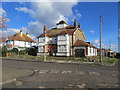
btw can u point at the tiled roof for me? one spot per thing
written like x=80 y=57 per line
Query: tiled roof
x=2 y=40
x=18 y=37
x=55 y=32
x=9 y=45
x=79 y=43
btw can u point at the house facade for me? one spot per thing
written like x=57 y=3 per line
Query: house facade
x=82 y=48
x=20 y=41
x=60 y=41
x=2 y=42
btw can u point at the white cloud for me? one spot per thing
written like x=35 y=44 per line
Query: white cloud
x=76 y=15
x=10 y=31
x=47 y=13
x=2 y=12
x=92 y=31
x=24 y=9
x=96 y=41
x=33 y=28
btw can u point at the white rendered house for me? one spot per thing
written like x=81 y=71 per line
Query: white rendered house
x=60 y=41
x=20 y=41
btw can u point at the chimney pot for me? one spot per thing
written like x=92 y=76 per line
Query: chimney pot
x=74 y=22
x=44 y=28
x=78 y=25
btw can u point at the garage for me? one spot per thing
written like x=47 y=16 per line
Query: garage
x=79 y=52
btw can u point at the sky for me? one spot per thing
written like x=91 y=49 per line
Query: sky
x=31 y=16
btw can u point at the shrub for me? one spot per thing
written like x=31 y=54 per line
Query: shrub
x=14 y=50
x=4 y=51
x=22 y=52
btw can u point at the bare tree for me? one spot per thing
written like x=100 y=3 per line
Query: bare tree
x=3 y=20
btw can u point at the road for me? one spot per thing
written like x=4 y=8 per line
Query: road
x=64 y=75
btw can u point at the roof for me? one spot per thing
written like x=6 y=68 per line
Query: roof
x=9 y=45
x=61 y=22
x=2 y=40
x=55 y=32
x=79 y=43
x=18 y=37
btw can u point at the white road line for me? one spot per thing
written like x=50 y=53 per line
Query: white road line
x=43 y=71
x=95 y=73
x=79 y=72
x=66 y=72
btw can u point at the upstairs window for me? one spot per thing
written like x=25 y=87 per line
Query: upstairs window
x=61 y=38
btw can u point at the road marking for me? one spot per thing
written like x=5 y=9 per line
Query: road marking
x=83 y=85
x=66 y=72
x=36 y=70
x=95 y=73
x=41 y=87
x=79 y=72
x=43 y=71
x=54 y=71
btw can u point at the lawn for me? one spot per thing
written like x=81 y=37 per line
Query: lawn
x=76 y=59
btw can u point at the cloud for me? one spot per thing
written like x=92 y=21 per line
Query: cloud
x=92 y=31
x=47 y=13
x=24 y=9
x=96 y=41
x=34 y=29
x=10 y=31
x=76 y=15
x=2 y=11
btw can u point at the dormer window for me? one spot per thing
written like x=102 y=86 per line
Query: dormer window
x=61 y=24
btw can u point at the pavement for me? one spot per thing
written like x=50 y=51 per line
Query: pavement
x=10 y=74
x=63 y=75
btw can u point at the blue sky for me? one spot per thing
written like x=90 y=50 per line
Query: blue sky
x=32 y=16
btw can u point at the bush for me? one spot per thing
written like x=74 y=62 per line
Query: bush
x=4 y=51
x=32 y=51
x=14 y=50
x=22 y=52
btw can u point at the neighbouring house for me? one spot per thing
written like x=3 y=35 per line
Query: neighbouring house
x=82 y=48
x=60 y=41
x=20 y=41
x=2 y=42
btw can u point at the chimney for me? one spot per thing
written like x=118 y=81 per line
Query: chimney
x=44 y=28
x=21 y=32
x=27 y=34
x=78 y=25
x=74 y=22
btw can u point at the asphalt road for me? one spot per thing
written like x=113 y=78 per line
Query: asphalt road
x=64 y=75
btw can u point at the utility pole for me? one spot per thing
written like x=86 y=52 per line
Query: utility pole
x=110 y=44
x=100 y=38
x=45 y=43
